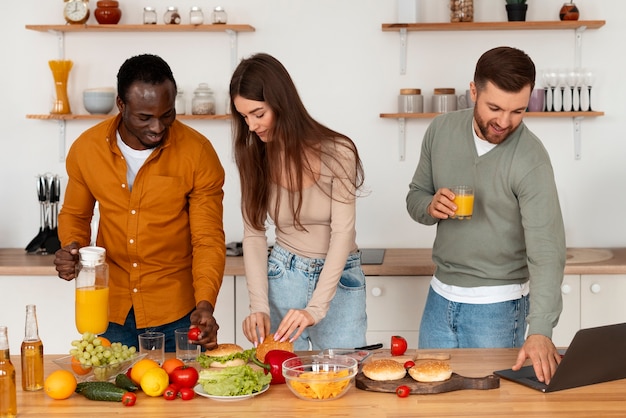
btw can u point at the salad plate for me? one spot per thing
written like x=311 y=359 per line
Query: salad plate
x=200 y=391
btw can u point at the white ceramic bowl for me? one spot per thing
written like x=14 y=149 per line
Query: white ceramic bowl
x=321 y=377
x=99 y=101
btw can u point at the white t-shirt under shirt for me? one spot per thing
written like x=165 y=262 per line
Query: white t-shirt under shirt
x=134 y=159
x=481 y=294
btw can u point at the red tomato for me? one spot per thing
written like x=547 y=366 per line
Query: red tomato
x=409 y=364
x=194 y=334
x=184 y=377
x=187 y=394
x=398 y=345
x=171 y=392
x=403 y=391
x=129 y=399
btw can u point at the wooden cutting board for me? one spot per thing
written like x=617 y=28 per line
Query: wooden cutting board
x=456 y=382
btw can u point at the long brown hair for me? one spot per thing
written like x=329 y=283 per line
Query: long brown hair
x=295 y=136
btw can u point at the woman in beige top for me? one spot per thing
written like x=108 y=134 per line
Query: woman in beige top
x=305 y=177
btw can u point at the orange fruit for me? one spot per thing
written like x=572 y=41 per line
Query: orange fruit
x=104 y=341
x=154 y=381
x=60 y=384
x=78 y=368
x=171 y=363
x=141 y=367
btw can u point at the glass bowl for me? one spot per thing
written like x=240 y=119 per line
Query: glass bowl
x=97 y=373
x=320 y=377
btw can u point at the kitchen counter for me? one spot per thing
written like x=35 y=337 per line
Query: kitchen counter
x=397 y=262
x=509 y=400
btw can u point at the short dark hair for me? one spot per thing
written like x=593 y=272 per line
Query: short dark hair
x=510 y=69
x=146 y=68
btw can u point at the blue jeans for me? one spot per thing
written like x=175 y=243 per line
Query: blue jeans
x=128 y=333
x=292 y=280
x=447 y=324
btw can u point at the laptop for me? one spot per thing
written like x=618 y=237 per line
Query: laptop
x=595 y=355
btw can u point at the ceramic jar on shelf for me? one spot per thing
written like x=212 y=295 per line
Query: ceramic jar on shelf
x=108 y=12
x=569 y=11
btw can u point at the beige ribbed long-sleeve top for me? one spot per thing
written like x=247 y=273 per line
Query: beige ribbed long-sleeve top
x=330 y=225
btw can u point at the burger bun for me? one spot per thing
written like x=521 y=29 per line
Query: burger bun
x=224 y=350
x=384 y=369
x=431 y=371
x=269 y=344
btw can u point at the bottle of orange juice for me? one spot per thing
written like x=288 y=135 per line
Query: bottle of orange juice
x=92 y=291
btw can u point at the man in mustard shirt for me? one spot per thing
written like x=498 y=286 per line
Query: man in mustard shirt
x=158 y=184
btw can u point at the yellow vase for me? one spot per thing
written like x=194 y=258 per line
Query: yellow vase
x=60 y=72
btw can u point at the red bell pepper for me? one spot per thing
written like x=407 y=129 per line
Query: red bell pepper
x=274 y=364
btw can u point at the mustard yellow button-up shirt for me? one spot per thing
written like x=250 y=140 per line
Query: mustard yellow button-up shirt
x=164 y=238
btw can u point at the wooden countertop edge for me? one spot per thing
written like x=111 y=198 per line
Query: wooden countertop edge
x=397 y=262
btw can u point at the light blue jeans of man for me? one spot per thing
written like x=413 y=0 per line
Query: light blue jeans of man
x=292 y=280
x=447 y=324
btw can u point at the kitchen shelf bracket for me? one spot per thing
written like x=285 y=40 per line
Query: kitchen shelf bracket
x=401 y=139
x=233 y=48
x=578 y=39
x=60 y=44
x=61 y=140
x=403 y=50
x=577 y=137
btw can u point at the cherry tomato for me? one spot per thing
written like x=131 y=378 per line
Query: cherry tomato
x=184 y=377
x=171 y=392
x=403 y=391
x=129 y=399
x=398 y=345
x=187 y=394
x=409 y=364
x=194 y=334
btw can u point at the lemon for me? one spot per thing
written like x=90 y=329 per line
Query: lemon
x=154 y=381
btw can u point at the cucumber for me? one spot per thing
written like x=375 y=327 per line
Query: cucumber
x=100 y=391
x=125 y=382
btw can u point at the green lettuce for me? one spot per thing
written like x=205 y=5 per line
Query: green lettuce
x=233 y=381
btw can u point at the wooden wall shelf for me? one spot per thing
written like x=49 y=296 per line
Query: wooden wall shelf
x=460 y=26
x=102 y=117
x=141 y=28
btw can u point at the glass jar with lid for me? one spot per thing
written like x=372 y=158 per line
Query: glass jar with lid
x=203 y=102
x=171 y=16
x=196 y=17
x=219 y=15
x=149 y=16
x=180 y=102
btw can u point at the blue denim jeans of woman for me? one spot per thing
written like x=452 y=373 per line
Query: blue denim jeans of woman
x=292 y=280
x=447 y=324
x=128 y=333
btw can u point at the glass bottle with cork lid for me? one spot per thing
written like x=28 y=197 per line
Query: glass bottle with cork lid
x=203 y=102
x=8 y=390
x=92 y=291
x=32 y=353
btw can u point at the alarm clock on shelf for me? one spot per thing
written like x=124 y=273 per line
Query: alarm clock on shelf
x=76 y=12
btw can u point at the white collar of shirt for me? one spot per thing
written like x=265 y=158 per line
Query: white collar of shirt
x=134 y=159
x=482 y=146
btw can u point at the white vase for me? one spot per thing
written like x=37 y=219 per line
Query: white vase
x=567 y=99
x=584 y=99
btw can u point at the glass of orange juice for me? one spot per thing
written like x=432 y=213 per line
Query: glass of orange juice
x=464 y=201
x=92 y=291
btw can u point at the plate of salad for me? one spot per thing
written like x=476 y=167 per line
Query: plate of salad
x=200 y=391
x=235 y=383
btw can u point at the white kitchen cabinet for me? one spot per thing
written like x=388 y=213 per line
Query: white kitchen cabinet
x=602 y=299
x=569 y=322
x=224 y=311
x=394 y=307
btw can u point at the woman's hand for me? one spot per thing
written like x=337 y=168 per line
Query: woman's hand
x=293 y=324
x=255 y=327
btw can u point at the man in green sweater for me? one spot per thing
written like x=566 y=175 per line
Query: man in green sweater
x=502 y=268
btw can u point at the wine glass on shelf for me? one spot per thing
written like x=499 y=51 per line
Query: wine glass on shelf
x=574 y=81
x=550 y=80
x=588 y=79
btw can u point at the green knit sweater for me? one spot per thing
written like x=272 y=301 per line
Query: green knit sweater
x=516 y=232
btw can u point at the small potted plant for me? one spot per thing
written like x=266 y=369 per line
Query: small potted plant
x=516 y=10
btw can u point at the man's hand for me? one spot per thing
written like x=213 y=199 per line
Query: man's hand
x=203 y=318
x=65 y=260
x=442 y=206
x=543 y=355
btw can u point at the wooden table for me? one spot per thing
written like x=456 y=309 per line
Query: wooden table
x=510 y=400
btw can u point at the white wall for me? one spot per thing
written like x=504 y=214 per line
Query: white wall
x=347 y=71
